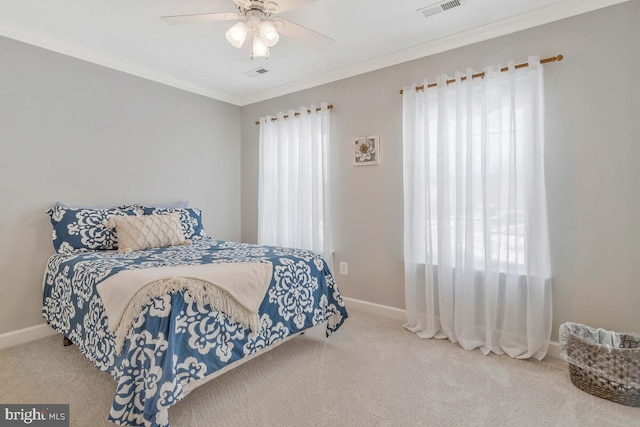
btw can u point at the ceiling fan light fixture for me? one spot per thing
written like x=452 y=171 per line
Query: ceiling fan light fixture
x=237 y=34
x=259 y=50
x=259 y=28
x=268 y=33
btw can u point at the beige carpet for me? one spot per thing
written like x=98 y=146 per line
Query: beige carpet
x=370 y=373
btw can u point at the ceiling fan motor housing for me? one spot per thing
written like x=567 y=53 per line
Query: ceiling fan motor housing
x=265 y=7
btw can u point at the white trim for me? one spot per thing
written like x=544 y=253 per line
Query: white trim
x=14 y=338
x=399 y=314
x=32 y=333
x=107 y=60
x=379 y=309
x=554 y=350
x=551 y=13
x=545 y=15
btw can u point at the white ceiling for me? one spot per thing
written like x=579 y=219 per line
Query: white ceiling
x=129 y=35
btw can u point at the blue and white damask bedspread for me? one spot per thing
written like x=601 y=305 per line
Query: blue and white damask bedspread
x=175 y=341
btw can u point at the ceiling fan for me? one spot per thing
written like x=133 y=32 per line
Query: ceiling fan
x=259 y=27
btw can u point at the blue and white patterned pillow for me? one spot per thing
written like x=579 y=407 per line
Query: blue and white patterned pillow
x=190 y=219
x=180 y=204
x=85 y=229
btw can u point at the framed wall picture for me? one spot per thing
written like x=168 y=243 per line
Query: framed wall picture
x=366 y=150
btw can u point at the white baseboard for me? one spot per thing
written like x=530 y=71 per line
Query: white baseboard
x=401 y=315
x=379 y=309
x=13 y=338
x=554 y=350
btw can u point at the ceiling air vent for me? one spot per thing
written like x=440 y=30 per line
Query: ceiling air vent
x=257 y=72
x=441 y=7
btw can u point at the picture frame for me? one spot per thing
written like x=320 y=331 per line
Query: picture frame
x=366 y=150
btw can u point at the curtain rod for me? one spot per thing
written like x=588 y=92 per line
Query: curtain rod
x=480 y=75
x=297 y=113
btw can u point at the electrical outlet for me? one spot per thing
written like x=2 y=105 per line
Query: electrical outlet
x=344 y=268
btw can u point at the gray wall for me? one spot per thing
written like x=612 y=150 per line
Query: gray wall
x=592 y=171
x=79 y=133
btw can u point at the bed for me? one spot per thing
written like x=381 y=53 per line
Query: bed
x=175 y=342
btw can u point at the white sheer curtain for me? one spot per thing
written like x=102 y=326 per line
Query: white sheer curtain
x=477 y=267
x=293 y=203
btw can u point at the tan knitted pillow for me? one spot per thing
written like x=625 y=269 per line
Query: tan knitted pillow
x=147 y=231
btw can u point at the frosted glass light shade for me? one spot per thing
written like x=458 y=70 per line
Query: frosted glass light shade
x=260 y=50
x=268 y=34
x=237 y=34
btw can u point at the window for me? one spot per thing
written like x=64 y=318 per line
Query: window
x=477 y=267
x=472 y=158
x=293 y=206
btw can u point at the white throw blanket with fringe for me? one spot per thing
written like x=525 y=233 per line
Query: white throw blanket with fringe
x=235 y=289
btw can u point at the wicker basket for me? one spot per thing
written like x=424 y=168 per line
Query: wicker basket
x=612 y=373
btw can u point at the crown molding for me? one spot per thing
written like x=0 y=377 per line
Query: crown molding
x=531 y=19
x=521 y=22
x=106 y=60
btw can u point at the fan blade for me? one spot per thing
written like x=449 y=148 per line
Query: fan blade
x=302 y=34
x=284 y=5
x=200 y=18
